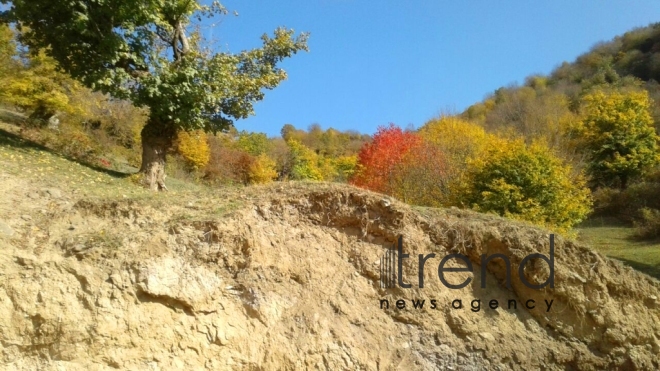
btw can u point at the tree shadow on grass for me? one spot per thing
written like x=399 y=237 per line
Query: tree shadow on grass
x=651 y=270
x=12 y=140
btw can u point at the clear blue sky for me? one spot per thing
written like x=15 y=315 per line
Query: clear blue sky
x=375 y=62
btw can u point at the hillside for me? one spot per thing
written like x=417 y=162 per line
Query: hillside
x=99 y=274
x=630 y=61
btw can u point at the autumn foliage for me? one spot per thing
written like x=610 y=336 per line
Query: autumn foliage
x=527 y=182
x=452 y=162
x=401 y=164
x=194 y=148
x=618 y=135
x=383 y=157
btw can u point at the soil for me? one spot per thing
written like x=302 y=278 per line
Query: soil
x=288 y=277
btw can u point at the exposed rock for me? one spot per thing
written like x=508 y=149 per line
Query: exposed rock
x=53 y=192
x=291 y=280
x=5 y=230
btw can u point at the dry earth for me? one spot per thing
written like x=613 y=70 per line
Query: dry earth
x=287 y=277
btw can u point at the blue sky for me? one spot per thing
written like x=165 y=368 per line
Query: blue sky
x=375 y=62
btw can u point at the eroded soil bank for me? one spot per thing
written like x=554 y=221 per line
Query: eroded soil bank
x=288 y=277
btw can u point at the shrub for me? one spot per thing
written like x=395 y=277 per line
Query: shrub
x=194 y=148
x=647 y=226
x=262 y=170
x=304 y=162
x=528 y=183
x=627 y=204
x=226 y=165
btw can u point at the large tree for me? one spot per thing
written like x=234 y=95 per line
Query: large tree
x=148 y=51
x=618 y=133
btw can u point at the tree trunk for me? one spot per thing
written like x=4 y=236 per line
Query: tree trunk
x=157 y=139
x=624 y=181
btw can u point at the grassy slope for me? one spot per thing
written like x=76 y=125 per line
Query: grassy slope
x=616 y=240
x=21 y=157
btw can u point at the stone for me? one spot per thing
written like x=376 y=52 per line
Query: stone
x=53 y=192
x=487 y=336
x=54 y=122
x=5 y=230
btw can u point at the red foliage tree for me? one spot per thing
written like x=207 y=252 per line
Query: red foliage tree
x=402 y=164
x=380 y=159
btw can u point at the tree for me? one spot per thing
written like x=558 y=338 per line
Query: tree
x=529 y=183
x=253 y=143
x=618 y=133
x=400 y=163
x=39 y=88
x=7 y=50
x=378 y=160
x=304 y=163
x=420 y=178
x=149 y=52
x=459 y=141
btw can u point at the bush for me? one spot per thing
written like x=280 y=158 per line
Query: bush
x=528 y=183
x=227 y=164
x=647 y=226
x=262 y=170
x=194 y=148
x=607 y=202
x=626 y=204
x=113 y=122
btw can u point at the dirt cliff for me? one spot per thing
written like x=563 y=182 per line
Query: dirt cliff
x=288 y=277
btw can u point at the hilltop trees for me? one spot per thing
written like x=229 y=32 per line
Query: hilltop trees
x=459 y=142
x=149 y=52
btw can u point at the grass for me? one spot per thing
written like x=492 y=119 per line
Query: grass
x=24 y=158
x=44 y=168
x=27 y=159
x=617 y=240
